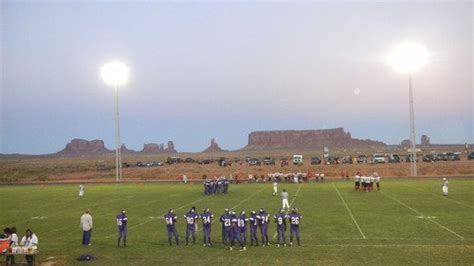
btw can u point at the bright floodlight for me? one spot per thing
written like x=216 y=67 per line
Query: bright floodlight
x=114 y=73
x=408 y=57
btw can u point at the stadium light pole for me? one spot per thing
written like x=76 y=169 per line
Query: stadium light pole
x=407 y=58
x=116 y=74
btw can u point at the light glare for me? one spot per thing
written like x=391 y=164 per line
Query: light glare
x=408 y=57
x=114 y=73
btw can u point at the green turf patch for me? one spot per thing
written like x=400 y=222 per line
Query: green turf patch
x=407 y=222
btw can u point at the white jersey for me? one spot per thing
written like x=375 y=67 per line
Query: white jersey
x=371 y=178
x=275 y=184
x=445 y=183
x=284 y=195
x=29 y=241
x=363 y=179
x=357 y=178
x=377 y=179
x=14 y=239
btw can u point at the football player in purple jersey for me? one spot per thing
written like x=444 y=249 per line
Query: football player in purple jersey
x=295 y=219
x=207 y=217
x=226 y=220
x=171 y=219
x=263 y=218
x=253 y=228
x=233 y=229
x=280 y=220
x=191 y=219
x=242 y=230
x=122 y=227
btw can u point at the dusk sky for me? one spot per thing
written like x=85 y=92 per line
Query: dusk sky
x=200 y=70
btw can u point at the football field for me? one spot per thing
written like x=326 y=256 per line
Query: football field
x=408 y=222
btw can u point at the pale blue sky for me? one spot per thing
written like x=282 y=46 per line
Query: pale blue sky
x=215 y=69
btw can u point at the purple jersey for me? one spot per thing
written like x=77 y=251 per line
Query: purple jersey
x=170 y=219
x=242 y=222
x=234 y=220
x=122 y=221
x=262 y=218
x=295 y=219
x=226 y=220
x=253 y=221
x=191 y=218
x=207 y=218
x=280 y=219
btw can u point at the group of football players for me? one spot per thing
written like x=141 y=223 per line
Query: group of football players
x=216 y=186
x=234 y=227
x=366 y=183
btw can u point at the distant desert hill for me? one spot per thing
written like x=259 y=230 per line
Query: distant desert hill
x=307 y=139
x=80 y=147
x=213 y=147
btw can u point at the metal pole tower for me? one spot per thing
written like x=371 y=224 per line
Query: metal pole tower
x=118 y=154
x=412 y=129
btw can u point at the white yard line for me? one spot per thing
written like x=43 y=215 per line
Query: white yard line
x=430 y=220
x=440 y=196
x=149 y=220
x=350 y=212
x=296 y=194
x=291 y=204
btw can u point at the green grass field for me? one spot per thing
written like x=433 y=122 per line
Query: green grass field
x=340 y=226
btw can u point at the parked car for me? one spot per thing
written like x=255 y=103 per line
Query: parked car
x=173 y=160
x=156 y=163
x=315 y=160
x=297 y=159
x=378 y=158
x=268 y=161
x=470 y=156
x=441 y=157
x=189 y=160
x=451 y=156
x=125 y=165
x=206 y=161
x=224 y=162
x=254 y=162
x=429 y=158
x=332 y=160
x=394 y=158
x=361 y=158
x=140 y=164
x=346 y=159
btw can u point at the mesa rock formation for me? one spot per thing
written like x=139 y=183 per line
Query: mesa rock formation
x=307 y=139
x=213 y=147
x=158 y=148
x=82 y=146
x=425 y=140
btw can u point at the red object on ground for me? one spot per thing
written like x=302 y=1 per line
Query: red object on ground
x=4 y=244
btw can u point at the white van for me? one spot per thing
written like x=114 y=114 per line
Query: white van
x=297 y=159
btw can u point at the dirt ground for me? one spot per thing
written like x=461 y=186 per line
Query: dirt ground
x=102 y=168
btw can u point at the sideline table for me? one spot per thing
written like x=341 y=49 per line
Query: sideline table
x=23 y=251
